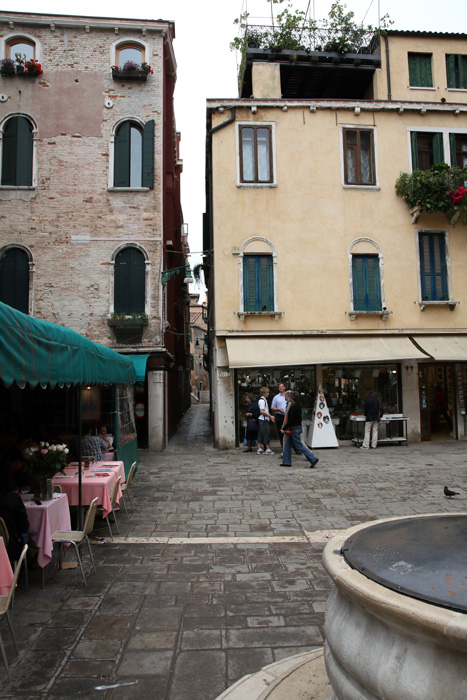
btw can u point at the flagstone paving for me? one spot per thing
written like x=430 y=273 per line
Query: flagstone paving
x=217 y=572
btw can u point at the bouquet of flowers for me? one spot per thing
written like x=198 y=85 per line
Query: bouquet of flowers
x=33 y=67
x=46 y=460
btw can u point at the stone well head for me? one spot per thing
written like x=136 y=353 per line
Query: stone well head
x=396 y=623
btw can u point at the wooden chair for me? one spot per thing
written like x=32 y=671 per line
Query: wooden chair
x=124 y=487
x=113 y=503
x=77 y=537
x=5 y=601
x=6 y=538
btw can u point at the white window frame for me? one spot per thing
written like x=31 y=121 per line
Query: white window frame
x=445 y=131
x=242 y=313
x=128 y=40
x=110 y=180
x=21 y=35
x=9 y=190
x=32 y=269
x=147 y=276
x=423 y=303
x=257 y=185
x=358 y=127
x=353 y=313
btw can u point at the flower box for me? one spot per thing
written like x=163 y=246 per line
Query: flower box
x=118 y=74
x=128 y=330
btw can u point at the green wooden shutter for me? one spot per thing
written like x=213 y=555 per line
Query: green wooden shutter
x=373 y=283
x=265 y=284
x=366 y=283
x=122 y=156
x=10 y=138
x=451 y=70
x=438 y=148
x=414 y=146
x=24 y=153
x=357 y=283
x=148 y=154
x=14 y=279
x=249 y=283
x=433 y=267
x=420 y=70
x=463 y=72
x=453 y=150
x=129 y=282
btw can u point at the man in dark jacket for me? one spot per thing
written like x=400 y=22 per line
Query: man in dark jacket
x=14 y=514
x=372 y=410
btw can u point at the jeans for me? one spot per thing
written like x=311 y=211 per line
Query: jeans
x=295 y=439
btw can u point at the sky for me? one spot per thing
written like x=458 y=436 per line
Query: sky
x=207 y=68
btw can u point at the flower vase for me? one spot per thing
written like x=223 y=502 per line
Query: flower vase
x=46 y=490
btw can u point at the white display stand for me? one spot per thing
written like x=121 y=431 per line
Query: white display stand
x=322 y=433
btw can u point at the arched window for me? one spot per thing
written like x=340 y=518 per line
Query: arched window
x=17 y=152
x=129 y=51
x=366 y=277
x=21 y=45
x=14 y=278
x=130 y=281
x=258 y=286
x=134 y=154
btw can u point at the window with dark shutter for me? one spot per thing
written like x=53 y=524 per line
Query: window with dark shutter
x=456 y=71
x=17 y=152
x=258 y=286
x=427 y=149
x=14 y=279
x=134 y=155
x=458 y=146
x=420 y=74
x=366 y=283
x=129 y=282
x=433 y=267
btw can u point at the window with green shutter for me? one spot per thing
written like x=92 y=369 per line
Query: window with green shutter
x=427 y=149
x=258 y=285
x=17 y=152
x=366 y=283
x=433 y=267
x=14 y=279
x=456 y=71
x=130 y=282
x=420 y=74
x=134 y=155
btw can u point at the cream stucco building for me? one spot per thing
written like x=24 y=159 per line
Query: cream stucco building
x=320 y=274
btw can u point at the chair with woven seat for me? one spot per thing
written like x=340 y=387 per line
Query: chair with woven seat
x=77 y=537
x=125 y=487
x=6 y=538
x=113 y=503
x=5 y=601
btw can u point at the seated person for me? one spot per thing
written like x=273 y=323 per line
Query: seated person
x=14 y=469
x=14 y=514
x=102 y=432
x=92 y=445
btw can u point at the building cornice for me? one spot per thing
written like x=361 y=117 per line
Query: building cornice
x=356 y=106
x=76 y=21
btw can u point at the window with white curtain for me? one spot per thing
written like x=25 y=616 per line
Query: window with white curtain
x=256 y=161
x=359 y=157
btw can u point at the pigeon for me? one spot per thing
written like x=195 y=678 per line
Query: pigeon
x=449 y=493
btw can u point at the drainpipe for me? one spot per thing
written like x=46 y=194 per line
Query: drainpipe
x=388 y=69
x=211 y=254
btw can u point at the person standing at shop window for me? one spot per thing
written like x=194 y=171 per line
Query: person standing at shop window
x=278 y=408
x=263 y=423
x=372 y=411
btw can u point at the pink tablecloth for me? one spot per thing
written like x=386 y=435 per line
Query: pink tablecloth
x=6 y=572
x=44 y=520
x=92 y=485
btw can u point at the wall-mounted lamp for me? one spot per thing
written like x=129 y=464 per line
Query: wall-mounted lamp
x=166 y=275
x=409 y=369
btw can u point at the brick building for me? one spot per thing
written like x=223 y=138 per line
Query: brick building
x=90 y=193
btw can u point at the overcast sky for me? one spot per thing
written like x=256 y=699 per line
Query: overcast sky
x=207 y=67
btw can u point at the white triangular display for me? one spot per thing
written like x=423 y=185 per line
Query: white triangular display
x=321 y=432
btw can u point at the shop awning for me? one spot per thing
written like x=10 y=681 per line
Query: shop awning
x=139 y=362
x=279 y=351
x=38 y=352
x=446 y=348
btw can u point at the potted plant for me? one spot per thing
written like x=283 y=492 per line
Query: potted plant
x=32 y=68
x=132 y=71
x=438 y=190
x=7 y=66
x=128 y=328
x=45 y=461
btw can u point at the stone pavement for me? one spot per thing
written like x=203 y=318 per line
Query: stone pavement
x=217 y=573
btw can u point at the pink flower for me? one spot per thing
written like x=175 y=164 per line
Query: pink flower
x=44 y=452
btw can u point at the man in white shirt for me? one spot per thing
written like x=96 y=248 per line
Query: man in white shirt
x=263 y=423
x=278 y=407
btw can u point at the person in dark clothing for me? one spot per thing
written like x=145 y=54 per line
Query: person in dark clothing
x=252 y=415
x=14 y=514
x=372 y=411
x=293 y=423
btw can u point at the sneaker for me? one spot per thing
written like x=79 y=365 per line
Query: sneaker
x=269 y=452
x=259 y=451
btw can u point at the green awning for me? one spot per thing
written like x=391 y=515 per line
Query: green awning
x=139 y=362
x=38 y=352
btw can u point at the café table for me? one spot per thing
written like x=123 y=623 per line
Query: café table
x=6 y=572
x=45 y=519
x=93 y=484
x=117 y=466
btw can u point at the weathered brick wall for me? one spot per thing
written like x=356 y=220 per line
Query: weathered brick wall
x=72 y=282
